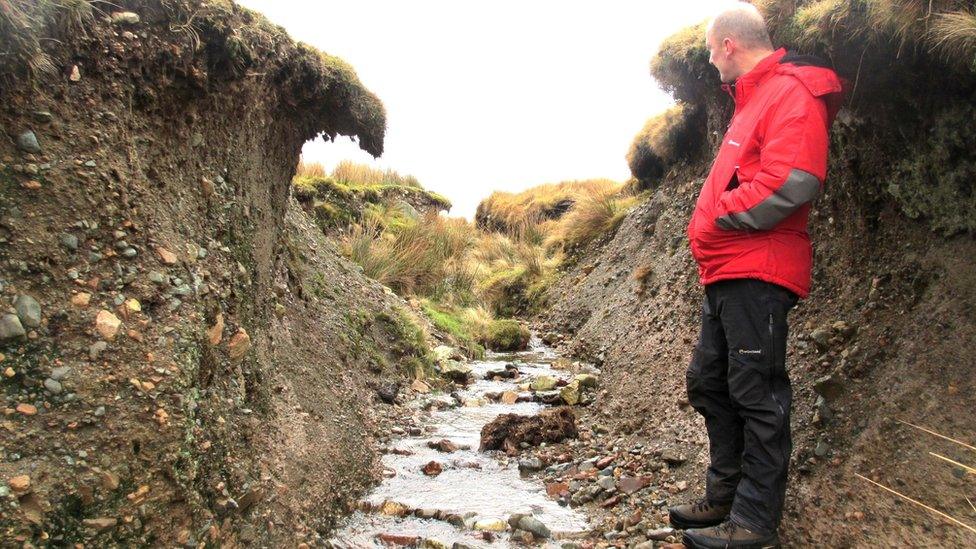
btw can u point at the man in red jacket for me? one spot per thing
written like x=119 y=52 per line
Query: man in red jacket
x=749 y=236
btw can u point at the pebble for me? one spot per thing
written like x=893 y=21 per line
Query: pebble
x=491 y=525
x=19 y=483
x=10 y=327
x=27 y=409
x=166 y=256
x=96 y=349
x=107 y=324
x=530 y=465
x=534 y=525
x=607 y=483
x=27 y=142
x=660 y=534
x=238 y=345
x=100 y=524
x=28 y=310
x=821 y=449
x=81 y=299
x=53 y=386
x=69 y=241
x=158 y=278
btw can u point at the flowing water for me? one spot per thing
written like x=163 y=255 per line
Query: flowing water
x=475 y=485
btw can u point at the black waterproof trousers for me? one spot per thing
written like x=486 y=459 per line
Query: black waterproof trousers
x=738 y=381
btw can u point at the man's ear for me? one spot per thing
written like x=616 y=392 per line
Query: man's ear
x=728 y=46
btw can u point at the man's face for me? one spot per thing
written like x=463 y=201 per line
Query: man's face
x=719 y=55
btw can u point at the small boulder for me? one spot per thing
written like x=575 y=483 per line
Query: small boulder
x=53 y=386
x=432 y=469
x=27 y=142
x=81 y=299
x=27 y=409
x=672 y=457
x=443 y=445
x=543 y=383
x=570 y=394
x=107 y=324
x=821 y=337
x=28 y=310
x=10 y=327
x=586 y=380
x=660 y=534
x=491 y=525
x=388 y=392
x=534 y=525
x=19 y=484
x=69 y=241
x=166 y=256
x=456 y=371
x=96 y=349
x=828 y=387
x=238 y=345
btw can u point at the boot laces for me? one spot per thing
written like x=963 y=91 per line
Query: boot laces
x=728 y=529
x=702 y=505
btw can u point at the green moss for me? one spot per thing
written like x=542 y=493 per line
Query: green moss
x=451 y=322
x=409 y=342
x=934 y=179
x=507 y=335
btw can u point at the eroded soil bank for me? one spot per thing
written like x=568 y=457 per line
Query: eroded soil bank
x=186 y=359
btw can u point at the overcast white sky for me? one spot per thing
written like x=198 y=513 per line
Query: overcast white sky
x=501 y=95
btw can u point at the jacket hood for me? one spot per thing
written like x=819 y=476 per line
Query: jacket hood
x=818 y=78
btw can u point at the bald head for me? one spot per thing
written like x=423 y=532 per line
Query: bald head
x=737 y=40
x=744 y=24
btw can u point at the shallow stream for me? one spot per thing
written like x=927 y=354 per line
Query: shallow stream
x=477 y=486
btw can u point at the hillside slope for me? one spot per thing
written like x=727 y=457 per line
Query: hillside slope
x=185 y=357
x=885 y=335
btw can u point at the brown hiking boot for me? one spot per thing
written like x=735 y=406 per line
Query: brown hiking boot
x=728 y=535
x=698 y=515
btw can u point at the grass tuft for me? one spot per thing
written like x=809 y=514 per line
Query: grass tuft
x=665 y=139
x=954 y=35
x=595 y=215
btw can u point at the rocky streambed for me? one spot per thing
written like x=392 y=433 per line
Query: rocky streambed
x=441 y=490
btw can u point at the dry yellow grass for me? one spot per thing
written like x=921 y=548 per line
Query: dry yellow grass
x=521 y=214
x=596 y=214
x=414 y=259
x=946 y=26
x=310 y=169
x=352 y=173
x=954 y=35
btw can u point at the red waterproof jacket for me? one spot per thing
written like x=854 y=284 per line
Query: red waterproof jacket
x=751 y=217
